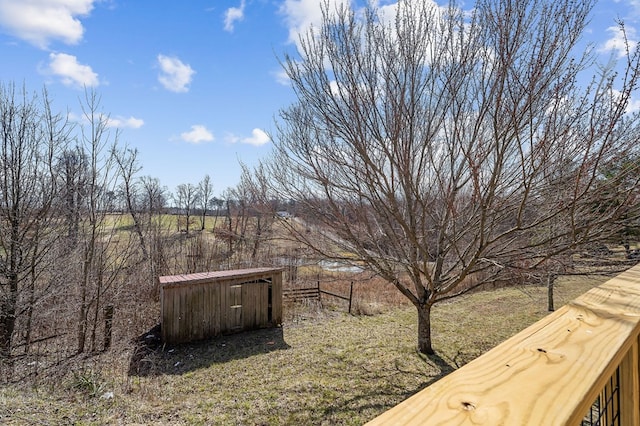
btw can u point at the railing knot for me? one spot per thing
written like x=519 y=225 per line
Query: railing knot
x=468 y=406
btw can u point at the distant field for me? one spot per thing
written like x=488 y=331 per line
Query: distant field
x=321 y=367
x=168 y=221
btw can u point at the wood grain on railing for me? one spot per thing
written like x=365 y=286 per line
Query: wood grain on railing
x=548 y=374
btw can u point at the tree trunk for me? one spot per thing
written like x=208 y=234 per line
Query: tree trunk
x=84 y=288
x=424 y=329
x=9 y=301
x=256 y=242
x=7 y=323
x=33 y=274
x=215 y=222
x=97 y=309
x=82 y=324
x=29 y=321
x=137 y=226
x=550 y=305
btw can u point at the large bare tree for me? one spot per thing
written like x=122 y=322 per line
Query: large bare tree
x=31 y=137
x=101 y=253
x=443 y=147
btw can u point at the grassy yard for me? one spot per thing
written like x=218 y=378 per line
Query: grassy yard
x=321 y=367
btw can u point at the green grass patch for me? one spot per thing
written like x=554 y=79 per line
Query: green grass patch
x=332 y=369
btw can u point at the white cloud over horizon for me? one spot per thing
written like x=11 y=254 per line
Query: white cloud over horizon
x=197 y=134
x=71 y=72
x=232 y=15
x=39 y=22
x=174 y=75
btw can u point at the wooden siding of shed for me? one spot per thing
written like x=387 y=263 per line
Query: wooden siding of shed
x=276 y=299
x=209 y=306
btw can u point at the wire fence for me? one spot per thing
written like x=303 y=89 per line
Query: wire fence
x=605 y=410
x=315 y=293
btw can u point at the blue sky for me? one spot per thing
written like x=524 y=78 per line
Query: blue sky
x=194 y=85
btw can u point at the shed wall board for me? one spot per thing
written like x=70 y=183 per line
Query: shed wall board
x=205 y=305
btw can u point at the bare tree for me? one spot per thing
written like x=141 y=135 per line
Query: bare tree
x=422 y=146
x=217 y=204
x=238 y=203
x=234 y=205
x=154 y=201
x=261 y=205
x=205 y=194
x=186 y=198
x=72 y=167
x=128 y=166
x=155 y=195
x=102 y=254
x=30 y=139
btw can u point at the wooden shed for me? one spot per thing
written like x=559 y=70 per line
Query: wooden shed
x=204 y=305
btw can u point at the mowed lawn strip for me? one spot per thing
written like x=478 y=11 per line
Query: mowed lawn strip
x=331 y=369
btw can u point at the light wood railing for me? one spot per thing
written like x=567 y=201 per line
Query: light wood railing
x=577 y=366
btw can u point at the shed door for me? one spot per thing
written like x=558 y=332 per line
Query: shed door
x=235 y=309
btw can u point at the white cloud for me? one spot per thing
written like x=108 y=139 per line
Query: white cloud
x=41 y=21
x=282 y=77
x=232 y=15
x=301 y=15
x=197 y=134
x=174 y=74
x=230 y=138
x=122 y=122
x=258 y=138
x=633 y=106
x=71 y=72
x=618 y=43
x=111 y=122
x=633 y=5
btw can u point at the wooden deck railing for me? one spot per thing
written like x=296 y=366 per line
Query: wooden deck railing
x=577 y=366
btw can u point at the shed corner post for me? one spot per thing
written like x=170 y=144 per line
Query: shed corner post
x=276 y=295
x=163 y=325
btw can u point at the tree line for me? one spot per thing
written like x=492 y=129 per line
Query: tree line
x=82 y=231
x=442 y=149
